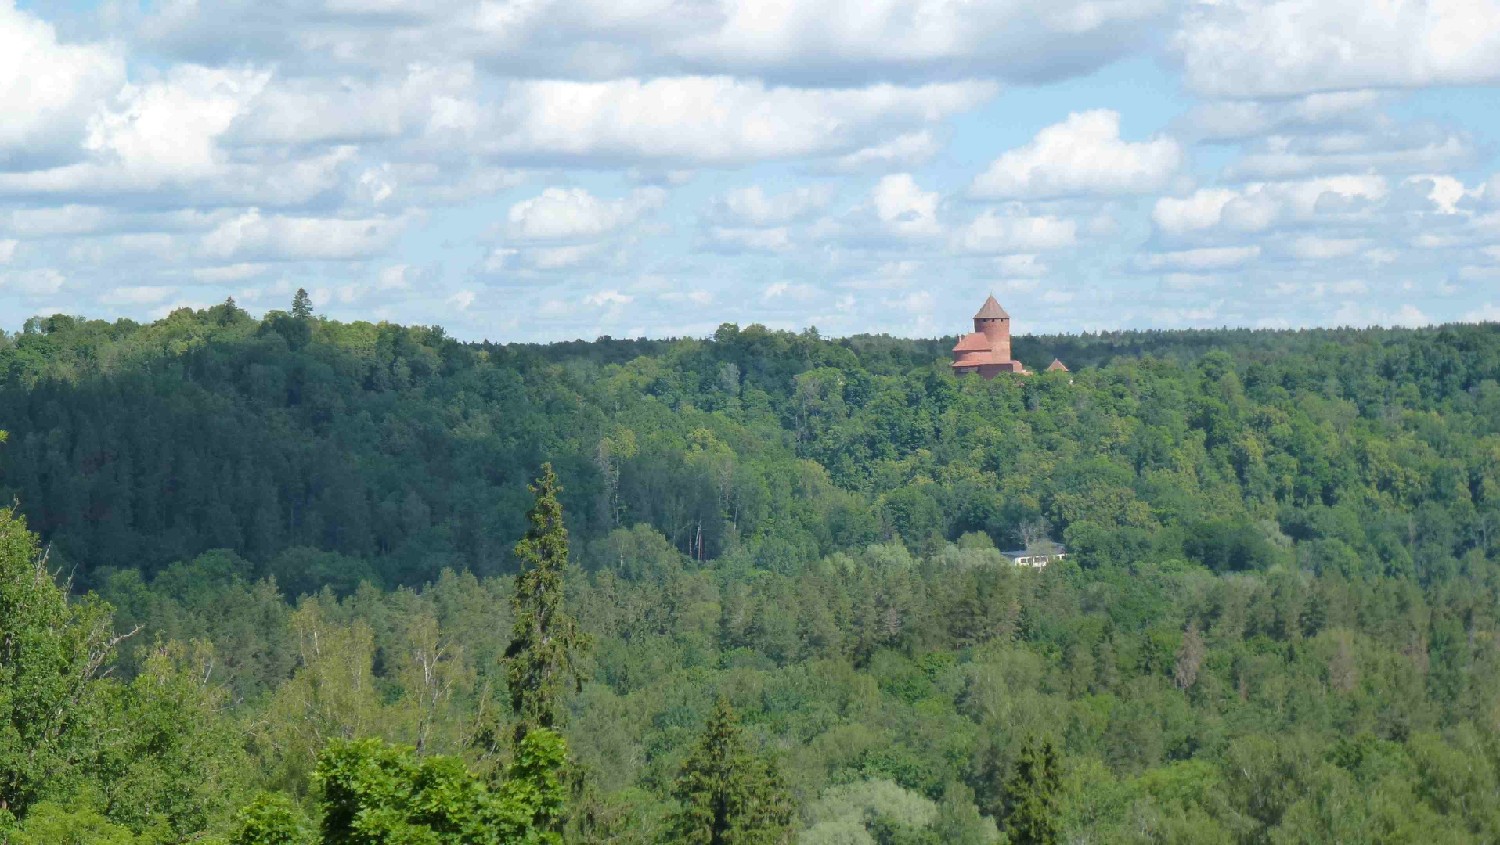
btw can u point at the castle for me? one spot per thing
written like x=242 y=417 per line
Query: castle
x=986 y=351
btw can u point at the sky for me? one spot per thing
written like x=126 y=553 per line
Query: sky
x=532 y=170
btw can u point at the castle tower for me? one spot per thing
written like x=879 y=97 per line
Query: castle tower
x=986 y=352
x=994 y=324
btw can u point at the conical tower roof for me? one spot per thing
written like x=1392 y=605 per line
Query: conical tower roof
x=991 y=310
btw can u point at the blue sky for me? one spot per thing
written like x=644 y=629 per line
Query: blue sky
x=550 y=169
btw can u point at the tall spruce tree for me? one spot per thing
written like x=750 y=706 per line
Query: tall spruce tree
x=1031 y=796
x=301 y=304
x=545 y=639
x=728 y=794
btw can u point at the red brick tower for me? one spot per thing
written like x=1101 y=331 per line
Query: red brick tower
x=994 y=324
x=986 y=352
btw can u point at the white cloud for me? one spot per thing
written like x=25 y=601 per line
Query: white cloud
x=776 y=239
x=1012 y=230
x=1250 y=48
x=1083 y=155
x=712 y=120
x=1022 y=266
x=925 y=37
x=1445 y=192
x=48 y=89
x=1360 y=314
x=461 y=300
x=252 y=235
x=8 y=250
x=1258 y=206
x=168 y=130
x=575 y=214
x=752 y=206
x=903 y=208
x=607 y=297
x=1198 y=260
x=541 y=259
x=1240 y=119
x=1386 y=151
x=789 y=290
x=137 y=295
x=43 y=281
x=1314 y=248
x=230 y=272
x=907 y=151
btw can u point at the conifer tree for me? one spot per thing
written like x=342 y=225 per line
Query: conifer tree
x=545 y=639
x=1031 y=796
x=728 y=794
x=301 y=304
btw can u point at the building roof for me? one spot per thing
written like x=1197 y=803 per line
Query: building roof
x=1051 y=548
x=1057 y=365
x=973 y=342
x=991 y=310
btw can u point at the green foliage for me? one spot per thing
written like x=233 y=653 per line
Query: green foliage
x=1278 y=621
x=53 y=704
x=1031 y=796
x=545 y=639
x=374 y=793
x=272 y=819
x=727 y=794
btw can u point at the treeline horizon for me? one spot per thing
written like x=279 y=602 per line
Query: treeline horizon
x=1279 y=620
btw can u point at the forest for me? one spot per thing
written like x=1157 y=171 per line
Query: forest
x=287 y=581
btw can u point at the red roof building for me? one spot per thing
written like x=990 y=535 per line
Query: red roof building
x=986 y=351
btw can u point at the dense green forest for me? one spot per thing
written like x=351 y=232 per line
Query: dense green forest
x=275 y=594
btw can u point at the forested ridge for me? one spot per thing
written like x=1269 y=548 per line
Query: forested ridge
x=1277 y=621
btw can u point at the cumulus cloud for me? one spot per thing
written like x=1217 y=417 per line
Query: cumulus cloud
x=777 y=239
x=711 y=119
x=1083 y=155
x=40 y=281
x=1316 y=248
x=752 y=206
x=1232 y=120
x=1258 y=206
x=903 y=208
x=925 y=37
x=1200 y=260
x=276 y=237
x=912 y=149
x=1249 y=48
x=1012 y=230
x=234 y=146
x=1390 y=151
x=575 y=214
x=48 y=89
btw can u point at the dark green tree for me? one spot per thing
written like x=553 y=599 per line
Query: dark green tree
x=728 y=795
x=545 y=640
x=301 y=305
x=1031 y=796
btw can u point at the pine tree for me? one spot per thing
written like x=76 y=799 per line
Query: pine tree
x=728 y=794
x=301 y=305
x=545 y=639
x=1031 y=796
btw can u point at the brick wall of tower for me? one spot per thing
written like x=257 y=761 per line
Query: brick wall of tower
x=997 y=331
